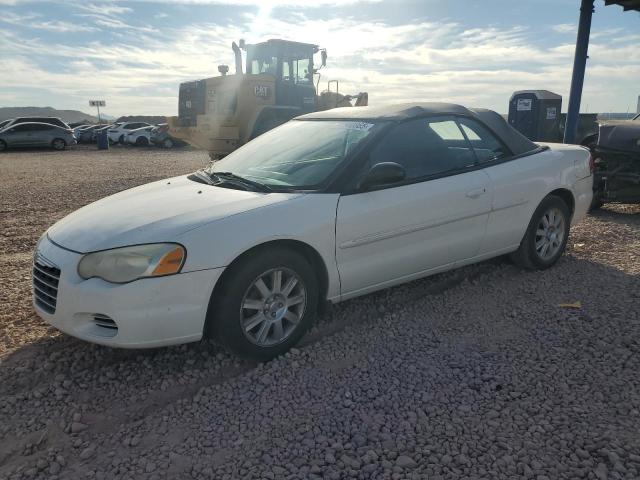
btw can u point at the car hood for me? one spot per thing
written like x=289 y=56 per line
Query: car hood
x=156 y=212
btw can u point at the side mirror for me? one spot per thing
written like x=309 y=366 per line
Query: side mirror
x=323 y=56
x=385 y=173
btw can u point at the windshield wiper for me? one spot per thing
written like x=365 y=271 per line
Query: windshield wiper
x=222 y=176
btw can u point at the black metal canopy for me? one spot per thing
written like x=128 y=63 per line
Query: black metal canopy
x=626 y=4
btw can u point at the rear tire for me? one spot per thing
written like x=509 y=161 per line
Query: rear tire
x=167 y=143
x=58 y=144
x=121 y=140
x=546 y=237
x=142 y=141
x=3 y=145
x=260 y=313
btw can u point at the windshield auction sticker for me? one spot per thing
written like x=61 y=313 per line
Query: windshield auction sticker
x=359 y=125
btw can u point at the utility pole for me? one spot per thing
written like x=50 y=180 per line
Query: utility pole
x=579 y=66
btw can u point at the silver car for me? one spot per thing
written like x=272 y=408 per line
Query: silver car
x=33 y=134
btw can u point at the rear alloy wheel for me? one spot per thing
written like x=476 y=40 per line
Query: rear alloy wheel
x=267 y=302
x=546 y=237
x=3 y=145
x=167 y=143
x=58 y=144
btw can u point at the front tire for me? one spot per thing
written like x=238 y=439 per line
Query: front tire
x=546 y=237
x=142 y=142
x=266 y=303
x=167 y=143
x=58 y=144
x=121 y=140
x=3 y=145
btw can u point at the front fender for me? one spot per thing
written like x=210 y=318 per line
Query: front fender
x=306 y=218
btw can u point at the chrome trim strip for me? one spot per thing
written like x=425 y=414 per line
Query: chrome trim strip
x=44 y=293
x=35 y=266
x=41 y=280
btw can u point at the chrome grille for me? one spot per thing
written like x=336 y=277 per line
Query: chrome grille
x=45 y=283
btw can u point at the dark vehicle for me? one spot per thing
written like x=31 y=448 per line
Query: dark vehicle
x=32 y=134
x=101 y=129
x=616 y=156
x=49 y=120
x=160 y=137
x=87 y=135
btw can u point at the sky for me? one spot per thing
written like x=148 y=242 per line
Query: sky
x=135 y=53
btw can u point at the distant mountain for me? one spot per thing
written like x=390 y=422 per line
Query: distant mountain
x=69 y=116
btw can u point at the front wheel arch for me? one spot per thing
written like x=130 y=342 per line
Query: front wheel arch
x=220 y=320
x=304 y=249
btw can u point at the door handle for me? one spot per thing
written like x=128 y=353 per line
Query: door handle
x=476 y=193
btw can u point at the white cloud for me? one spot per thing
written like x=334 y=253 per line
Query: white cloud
x=419 y=60
x=565 y=28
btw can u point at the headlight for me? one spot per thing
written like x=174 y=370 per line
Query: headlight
x=122 y=265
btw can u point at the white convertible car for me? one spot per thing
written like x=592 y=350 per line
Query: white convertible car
x=326 y=207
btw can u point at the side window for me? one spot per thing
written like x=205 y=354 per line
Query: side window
x=287 y=71
x=303 y=74
x=424 y=147
x=486 y=146
x=265 y=65
x=297 y=70
x=22 y=127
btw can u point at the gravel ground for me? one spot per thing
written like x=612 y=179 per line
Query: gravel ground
x=477 y=373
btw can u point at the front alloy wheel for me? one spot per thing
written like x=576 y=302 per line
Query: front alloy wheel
x=273 y=306
x=265 y=303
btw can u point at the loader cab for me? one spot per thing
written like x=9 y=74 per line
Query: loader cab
x=291 y=64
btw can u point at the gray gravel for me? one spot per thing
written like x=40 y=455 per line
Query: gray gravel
x=477 y=373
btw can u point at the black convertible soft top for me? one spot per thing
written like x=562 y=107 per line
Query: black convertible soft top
x=516 y=142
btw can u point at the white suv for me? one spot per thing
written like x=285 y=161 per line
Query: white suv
x=118 y=133
x=140 y=137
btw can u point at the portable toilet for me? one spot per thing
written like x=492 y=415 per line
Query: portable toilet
x=536 y=114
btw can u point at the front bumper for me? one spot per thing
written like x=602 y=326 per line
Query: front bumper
x=146 y=313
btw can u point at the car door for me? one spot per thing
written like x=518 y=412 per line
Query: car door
x=433 y=219
x=515 y=181
x=19 y=135
x=42 y=135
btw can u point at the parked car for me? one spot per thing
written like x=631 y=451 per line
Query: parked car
x=33 y=134
x=160 y=137
x=49 y=120
x=118 y=132
x=78 y=129
x=87 y=135
x=139 y=136
x=616 y=153
x=327 y=207
x=98 y=131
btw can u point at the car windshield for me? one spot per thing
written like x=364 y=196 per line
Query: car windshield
x=296 y=155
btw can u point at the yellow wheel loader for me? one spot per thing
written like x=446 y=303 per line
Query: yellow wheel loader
x=221 y=113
